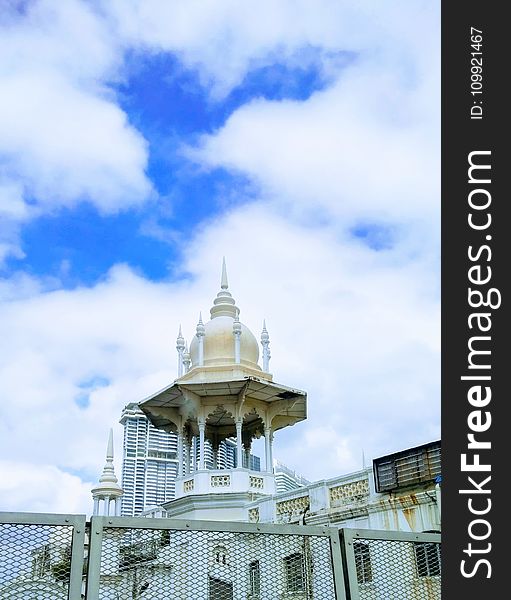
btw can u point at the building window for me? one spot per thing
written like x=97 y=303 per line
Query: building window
x=295 y=573
x=427 y=559
x=220 y=555
x=362 y=561
x=255 y=579
x=220 y=590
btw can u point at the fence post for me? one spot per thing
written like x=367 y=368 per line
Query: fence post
x=337 y=564
x=349 y=561
x=77 y=557
x=94 y=566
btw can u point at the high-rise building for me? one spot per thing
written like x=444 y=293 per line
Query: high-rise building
x=149 y=468
x=286 y=479
x=149 y=465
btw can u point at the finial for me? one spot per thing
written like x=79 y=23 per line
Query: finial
x=108 y=474
x=265 y=343
x=224 y=304
x=224 y=283
x=180 y=342
x=110 y=447
x=186 y=359
x=200 y=329
x=236 y=330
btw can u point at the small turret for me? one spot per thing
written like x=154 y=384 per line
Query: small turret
x=236 y=331
x=265 y=343
x=180 y=347
x=108 y=488
x=200 y=333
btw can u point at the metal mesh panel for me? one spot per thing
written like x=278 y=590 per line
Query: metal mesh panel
x=143 y=564
x=397 y=570
x=35 y=561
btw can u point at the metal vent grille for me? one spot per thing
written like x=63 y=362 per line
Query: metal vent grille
x=35 y=561
x=411 y=467
x=188 y=564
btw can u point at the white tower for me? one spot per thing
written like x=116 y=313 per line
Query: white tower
x=108 y=488
x=223 y=393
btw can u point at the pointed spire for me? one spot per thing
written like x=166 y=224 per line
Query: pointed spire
x=264 y=334
x=180 y=342
x=186 y=358
x=224 y=284
x=200 y=329
x=110 y=447
x=265 y=343
x=108 y=475
x=224 y=304
x=180 y=347
x=108 y=487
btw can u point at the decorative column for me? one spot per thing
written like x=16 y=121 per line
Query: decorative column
x=236 y=330
x=194 y=453
x=265 y=343
x=180 y=347
x=117 y=507
x=247 y=447
x=187 y=456
x=180 y=452
x=200 y=333
x=271 y=450
x=239 y=443
x=95 y=510
x=267 y=449
x=202 y=442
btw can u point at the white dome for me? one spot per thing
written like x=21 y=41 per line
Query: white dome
x=219 y=344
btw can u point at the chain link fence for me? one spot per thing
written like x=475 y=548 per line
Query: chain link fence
x=391 y=565
x=42 y=558
x=142 y=559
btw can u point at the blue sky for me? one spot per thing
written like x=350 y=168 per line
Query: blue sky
x=168 y=105
x=142 y=141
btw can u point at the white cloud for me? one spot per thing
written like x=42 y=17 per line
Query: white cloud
x=63 y=138
x=68 y=145
x=342 y=151
x=223 y=39
x=26 y=487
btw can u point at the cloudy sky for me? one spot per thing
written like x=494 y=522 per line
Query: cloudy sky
x=141 y=141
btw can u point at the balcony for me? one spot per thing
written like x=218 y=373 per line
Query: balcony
x=221 y=481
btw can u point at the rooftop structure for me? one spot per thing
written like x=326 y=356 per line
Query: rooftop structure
x=223 y=393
